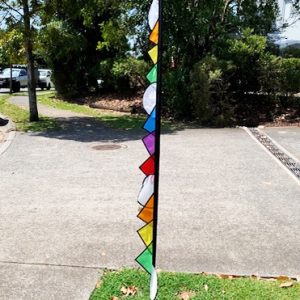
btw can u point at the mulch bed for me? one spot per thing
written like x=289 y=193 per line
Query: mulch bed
x=134 y=104
x=129 y=104
x=290 y=118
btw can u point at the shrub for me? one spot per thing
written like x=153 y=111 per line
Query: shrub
x=211 y=99
x=245 y=54
x=123 y=74
x=176 y=99
x=290 y=76
x=291 y=52
x=132 y=70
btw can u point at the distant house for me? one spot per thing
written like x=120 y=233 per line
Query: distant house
x=289 y=24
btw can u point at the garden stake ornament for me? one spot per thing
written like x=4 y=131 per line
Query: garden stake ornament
x=149 y=194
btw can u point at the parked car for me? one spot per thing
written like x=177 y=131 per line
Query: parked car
x=19 y=79
x=44 y=81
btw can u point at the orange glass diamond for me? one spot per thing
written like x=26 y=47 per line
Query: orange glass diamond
x=155 y=34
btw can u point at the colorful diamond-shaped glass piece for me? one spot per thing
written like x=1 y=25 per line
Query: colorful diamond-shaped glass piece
x=152 y=75
x=146 y=234
x=153 y=14
x=153 y=53
x=149 y=142
x=146 y=191
x=147 y=212
x=146 y=260
x=149 y=99
x=148 y=167
x=154 y=34
x=150 y=248
x=150 y=123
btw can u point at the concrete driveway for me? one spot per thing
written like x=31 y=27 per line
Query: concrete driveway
x=68 y=211
x=288 y=137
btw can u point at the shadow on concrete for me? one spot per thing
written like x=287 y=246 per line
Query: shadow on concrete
x=89 y=129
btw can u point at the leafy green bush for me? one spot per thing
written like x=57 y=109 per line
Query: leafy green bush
x=132 y=70
x=63 y=48
x=123 y=74
x=243 y=83
x=270 y=86
x=76 y=36
x=269 y=74
x=254 y=78
x=211 y=100
x=245 y=54
x=176 y=99
x=291 y=52
x=290 y=76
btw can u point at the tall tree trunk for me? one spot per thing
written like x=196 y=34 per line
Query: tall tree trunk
x=33 y=110
x=10 y=79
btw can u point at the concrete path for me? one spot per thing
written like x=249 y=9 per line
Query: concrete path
x=22 y=102
x=7 y=134
x=68 y=210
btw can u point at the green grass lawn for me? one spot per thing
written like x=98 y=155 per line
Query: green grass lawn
x=201 y=286
x=21 y=118
x=113 y=120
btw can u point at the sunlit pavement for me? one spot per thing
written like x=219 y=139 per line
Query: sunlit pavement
x=25 y=90
x=68 y=211
x=288 y=137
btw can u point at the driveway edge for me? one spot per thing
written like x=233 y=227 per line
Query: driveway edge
x=9 y=134
x=280 y=148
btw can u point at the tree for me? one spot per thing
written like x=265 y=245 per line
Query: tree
x=77 y=36
x=194 y=30
x=11 y=49
x=21 y=13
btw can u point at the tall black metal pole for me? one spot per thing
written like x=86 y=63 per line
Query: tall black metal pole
x=158 y=130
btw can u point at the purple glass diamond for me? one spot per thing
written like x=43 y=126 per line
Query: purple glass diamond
x=149 y=142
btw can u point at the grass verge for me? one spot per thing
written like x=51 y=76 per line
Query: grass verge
x=21 y=118
x=113 y=120
x=204 y=287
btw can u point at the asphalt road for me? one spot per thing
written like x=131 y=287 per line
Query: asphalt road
x=68 y=211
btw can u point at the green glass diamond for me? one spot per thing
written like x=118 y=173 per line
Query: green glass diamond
x=152 y=76
x=145 y=260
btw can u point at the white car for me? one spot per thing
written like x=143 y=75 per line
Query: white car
x=44 y=81
x=19 y=79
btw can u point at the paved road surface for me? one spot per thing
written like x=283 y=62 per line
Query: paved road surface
x=288 y=137
x=1 y=137
x=226 y=206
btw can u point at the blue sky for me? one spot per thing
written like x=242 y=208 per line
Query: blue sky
x=291 y=34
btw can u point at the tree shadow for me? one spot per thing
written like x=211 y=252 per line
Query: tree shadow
x=89 y=129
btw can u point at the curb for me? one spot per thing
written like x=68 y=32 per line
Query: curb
x=9 y=134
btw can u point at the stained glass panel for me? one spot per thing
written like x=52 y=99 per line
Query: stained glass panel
x=146 y=191
x=153 y=14
x=150 y=123
x=152 y=75
x=149 y=142
x=154 y=34
x=149 y=99
x=146 y=234
x=153 y=53
x=148 y=167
